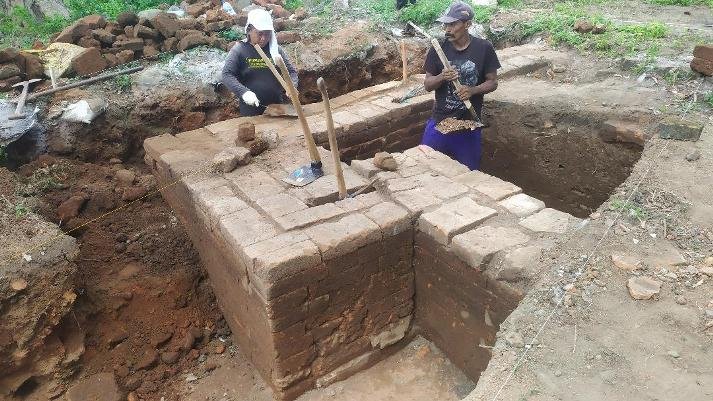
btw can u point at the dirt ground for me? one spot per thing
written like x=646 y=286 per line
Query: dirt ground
x=141 y=286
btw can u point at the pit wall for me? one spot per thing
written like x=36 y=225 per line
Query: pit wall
x=316 y=289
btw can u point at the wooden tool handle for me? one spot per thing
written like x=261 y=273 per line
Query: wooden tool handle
x=404 y=62
x=295 y=97
x=447 y=64
x=272 y=68
x=341 y=185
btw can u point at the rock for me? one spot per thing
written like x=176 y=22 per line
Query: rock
x=111 y=60
x=257 y=146
x=8 y=55
x=132 y=397
x=220 y=348
x=702 y=66
x=514 y=339
x=197 y=9
x=125 y=56
x=681 y=300
x=147 y=360
x=300 y=13
x=90 y=61
x=182 y=33
x=6 y=84
x=144 y=32
x=170 y=45
x=707 y=270
x=127 y=18
x=94 y=21
x=227 y=160
x=88 y=41
x=385 y=161
x=73 y=32
x=70 y=208
x=125 y=177
x=18 y=284
x=161 y=337
x=583 y=26
x=673 y=354
x=169 y=358
x=9 y=70
x=599 y=29
x=150 y=52
x=704 y=52
x=642 y=288
x=675 y=128
x=134 y=44
x=131 y=194
x=693 y=156
x=619 y=131
x=103 y=36
x=166 y=24
x=31 y=65
x=101 y=386
x=192 y=41
x=625 y=262
x=286 y=37
x=116 y=336
x=246 y=132
x=708 y=261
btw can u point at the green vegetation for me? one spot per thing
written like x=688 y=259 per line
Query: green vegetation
x=294 y=4
x=19 y=28
x=21 y=210
x=123 y=82
x=231 y=35
x=109 y=8
x=43 y=180
x=629 y=209
x=708 y=3
x=3 y=155
x=617 y=39
x=708 y=99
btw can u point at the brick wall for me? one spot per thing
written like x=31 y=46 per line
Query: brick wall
x=452 y=301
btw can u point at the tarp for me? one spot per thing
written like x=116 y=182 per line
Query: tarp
x=58 y=56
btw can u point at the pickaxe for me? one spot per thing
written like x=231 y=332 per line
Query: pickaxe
x=21 y=100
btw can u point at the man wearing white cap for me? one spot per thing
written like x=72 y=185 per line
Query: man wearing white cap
x=246 y=74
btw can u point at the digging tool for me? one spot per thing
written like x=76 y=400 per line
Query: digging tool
x=404 y=63
x=308 y=173
x=332 y=139
x=272 y=68
x=456 y=83
x=84 y=82
x=280 y=110
x=21 y=100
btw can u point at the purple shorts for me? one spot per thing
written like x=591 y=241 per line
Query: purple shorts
x=462 y=146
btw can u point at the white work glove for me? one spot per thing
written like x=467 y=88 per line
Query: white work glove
x=250 y=98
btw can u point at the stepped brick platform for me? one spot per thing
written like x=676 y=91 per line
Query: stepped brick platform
x=316 y=288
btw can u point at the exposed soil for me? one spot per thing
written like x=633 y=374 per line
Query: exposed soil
x=143 y=293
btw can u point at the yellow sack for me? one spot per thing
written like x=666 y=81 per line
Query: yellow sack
x=58 y=56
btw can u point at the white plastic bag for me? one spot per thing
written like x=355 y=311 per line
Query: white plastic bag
x=84 y=111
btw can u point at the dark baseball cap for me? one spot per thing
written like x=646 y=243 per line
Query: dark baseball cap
x=458 y=11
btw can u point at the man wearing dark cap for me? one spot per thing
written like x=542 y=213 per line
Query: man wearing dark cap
x=475 y=64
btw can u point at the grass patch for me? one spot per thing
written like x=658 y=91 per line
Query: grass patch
x=18 y=28
x=617 y=39
x=109 y=8
x=21 y=210
x=294 y=4
x=231 y=35
x=684 y=3
x=708 y=99
x=631 y=210
x=123 y=83
x=43 y=180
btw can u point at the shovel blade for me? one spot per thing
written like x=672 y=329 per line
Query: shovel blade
x=304 y=175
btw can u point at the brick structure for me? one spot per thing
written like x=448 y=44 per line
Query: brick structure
x=316 y=288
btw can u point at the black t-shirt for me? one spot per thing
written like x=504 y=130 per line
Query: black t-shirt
x=245 y=70
x=472 y=63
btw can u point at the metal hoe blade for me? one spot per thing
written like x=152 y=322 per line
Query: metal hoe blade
x=304 y=175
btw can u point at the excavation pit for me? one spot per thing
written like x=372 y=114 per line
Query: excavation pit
x=316 y=290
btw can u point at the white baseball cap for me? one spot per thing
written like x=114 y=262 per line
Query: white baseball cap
x=260 y=19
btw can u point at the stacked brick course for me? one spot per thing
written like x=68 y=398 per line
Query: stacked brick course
x=314 y=288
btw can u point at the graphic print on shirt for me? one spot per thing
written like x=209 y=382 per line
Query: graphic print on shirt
x=468 y=76
x=256 y=63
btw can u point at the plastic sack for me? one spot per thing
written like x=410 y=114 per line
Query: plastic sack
x=177 y=11
x=84 y=111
